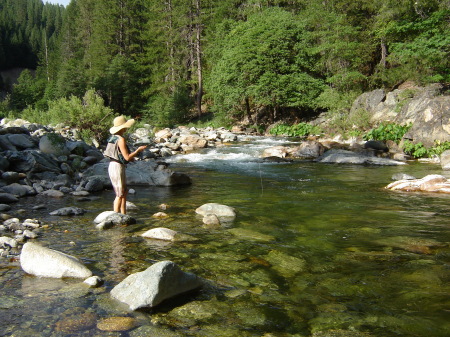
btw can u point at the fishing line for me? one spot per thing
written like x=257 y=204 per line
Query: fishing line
x=260 y=177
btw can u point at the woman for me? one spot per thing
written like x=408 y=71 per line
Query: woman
x=117 y=168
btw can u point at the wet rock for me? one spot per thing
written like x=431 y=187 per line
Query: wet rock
x=157 y=283
x=308 y=150
x=160 y=215
x=152 y=330
x=12 y=177
x=402 y=176
x=285 y=264
x=53 y=193
x=117 y=324
x=337 y=156
x=275 y=151
x=8 y=198
x=211 y=220
x=44 y=262
x=5 y=207
x=216 y=209
x=68 y=211
x=93 y=281
x=161 y=234
x=248 y=234
x=76 y=323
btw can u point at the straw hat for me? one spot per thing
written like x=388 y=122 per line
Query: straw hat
x=121 y=123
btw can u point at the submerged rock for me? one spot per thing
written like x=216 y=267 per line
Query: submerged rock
x=41 y=261
x=157 y=283
x=216 y=209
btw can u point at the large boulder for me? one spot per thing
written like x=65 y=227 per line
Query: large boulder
x=337 y=156
x=159 y=282
x=142 y=173
x=45 y=262
x=53 y=143
x=429 y=183
x=32 y=161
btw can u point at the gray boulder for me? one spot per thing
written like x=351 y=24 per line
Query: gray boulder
x=32 y=161
x=159 y=282
x=19 y=190
x=68 y=211
x=53 y=143
x=141 y=173
x=22 y=141
x=45 y=262
x=337 y=156
x=114 y=218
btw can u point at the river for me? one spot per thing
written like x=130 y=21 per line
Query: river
x=315 y=250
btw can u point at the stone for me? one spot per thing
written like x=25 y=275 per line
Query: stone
x=159 y=282
x=19 y=190
x=68 y=211
x=216 y=209
x=429 y=183
x=45 y=262
x=337 y=156
x=115 y=218
x=53 y=143
x=93 y=281
x=160 y=234
x=7 y=198
x=117 y=324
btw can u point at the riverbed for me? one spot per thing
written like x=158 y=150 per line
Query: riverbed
x=315 y=250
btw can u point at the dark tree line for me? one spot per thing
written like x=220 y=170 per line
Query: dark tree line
x=172 y=60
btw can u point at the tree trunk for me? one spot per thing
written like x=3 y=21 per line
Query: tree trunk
x=198 y=50
x=383 y=53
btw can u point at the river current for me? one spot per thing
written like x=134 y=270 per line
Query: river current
x=315 y=250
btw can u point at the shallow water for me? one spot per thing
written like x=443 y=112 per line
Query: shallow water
x=314 y=248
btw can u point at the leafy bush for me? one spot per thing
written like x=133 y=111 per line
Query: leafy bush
x=89 y=115
x=172 y=110
x=388 y=131
x=297 y=130
x=420 y=151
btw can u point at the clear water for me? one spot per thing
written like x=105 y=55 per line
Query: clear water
x=315 y=250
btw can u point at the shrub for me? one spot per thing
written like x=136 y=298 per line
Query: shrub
x=297 y=130
x=418 y=150
x=388 y=131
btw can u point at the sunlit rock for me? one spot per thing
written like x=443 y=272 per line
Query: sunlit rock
x=429 y=183
x=216 y=209
x=157 y=283
x=41 y=261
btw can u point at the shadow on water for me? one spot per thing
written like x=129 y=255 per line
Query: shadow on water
x=315 y=250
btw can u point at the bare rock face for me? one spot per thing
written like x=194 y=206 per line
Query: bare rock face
x=426 y=108
x=44 y=262
x=157 y=283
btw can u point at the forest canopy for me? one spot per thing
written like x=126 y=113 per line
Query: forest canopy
x=169 y=62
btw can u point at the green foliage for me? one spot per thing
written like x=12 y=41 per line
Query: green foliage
x=418 y=150
x=265 y=61
x=89 y=116
x=387 y=131
x=172 y=110
x=297 y=130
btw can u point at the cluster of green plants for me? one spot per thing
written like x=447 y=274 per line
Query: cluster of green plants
x=297 y=130
x=88 y=116
x=387 y=131
x=418 y=150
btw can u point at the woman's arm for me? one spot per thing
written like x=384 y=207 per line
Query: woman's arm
x=129 y=156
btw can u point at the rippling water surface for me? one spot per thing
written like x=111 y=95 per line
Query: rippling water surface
x=315 y=250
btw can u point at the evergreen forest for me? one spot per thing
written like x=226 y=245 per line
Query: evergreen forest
x=180 y=61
